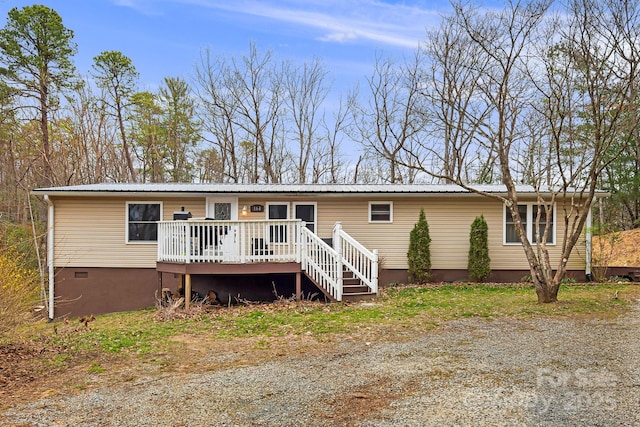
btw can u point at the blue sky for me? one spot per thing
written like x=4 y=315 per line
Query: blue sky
x=164 y=38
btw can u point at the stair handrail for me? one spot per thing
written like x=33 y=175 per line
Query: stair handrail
x=320 y=262
x=362 y=262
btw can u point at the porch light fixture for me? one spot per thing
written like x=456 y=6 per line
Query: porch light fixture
x=244 y=210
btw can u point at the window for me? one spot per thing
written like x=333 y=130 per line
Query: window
x=277 y=211
x=542 y=224
x=528 y=215
x=222 y=208
x=510 y=227
x=307 y=213
x=142 y=220
x=222 y=211
x=380 y=212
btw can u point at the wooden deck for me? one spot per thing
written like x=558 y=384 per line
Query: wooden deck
x=193 y=247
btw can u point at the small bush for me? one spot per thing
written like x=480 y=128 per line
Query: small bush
x=19 y=288
x=20 y=238
x=419 y=253
x=479 y=263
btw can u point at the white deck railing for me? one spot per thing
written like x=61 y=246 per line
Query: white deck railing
x=322 y=263
x=247 y=241
x=229 y=241
x=362 y=262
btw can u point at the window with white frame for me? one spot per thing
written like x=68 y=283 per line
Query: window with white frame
x=529 y=217
x=142 y=221
x=307 y=213
x=380 y=211
x=277 y=211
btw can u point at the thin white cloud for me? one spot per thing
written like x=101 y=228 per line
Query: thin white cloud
x=146 y=7
x=339 y=37
x=340 y=21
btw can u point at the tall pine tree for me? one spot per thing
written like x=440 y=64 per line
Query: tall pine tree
x=419 y=253
x=479 y=263
x=36 y=52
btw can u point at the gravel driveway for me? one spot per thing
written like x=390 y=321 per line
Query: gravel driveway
x=469 y=372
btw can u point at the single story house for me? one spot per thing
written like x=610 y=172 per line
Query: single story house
x=113 y=247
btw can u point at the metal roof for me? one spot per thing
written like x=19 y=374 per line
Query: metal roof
x=213 y=188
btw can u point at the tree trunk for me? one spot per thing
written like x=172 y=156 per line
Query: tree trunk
x=547 y=292
x=125 y=146
x=47 y=170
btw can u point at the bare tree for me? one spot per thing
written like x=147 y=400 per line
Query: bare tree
x=391 y=123
x=93 y=136
x=328 y=158
x=623 y=174
x=589 y=120
x=304 y=92
x=208 y=166
x=218 y=107
x=503 y=41
x=243 y=102
x=18 y=159
x=259 y=102
x=453 y=111
x=558 y=107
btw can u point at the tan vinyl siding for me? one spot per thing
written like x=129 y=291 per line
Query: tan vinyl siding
x=82 y=241
x=91 y=232
x=449 y=218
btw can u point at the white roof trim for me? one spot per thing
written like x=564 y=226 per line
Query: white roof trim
x=168 y=189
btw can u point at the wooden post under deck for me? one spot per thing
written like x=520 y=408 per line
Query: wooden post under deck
x=187 y=291
x=160 y=286
x=298 y=286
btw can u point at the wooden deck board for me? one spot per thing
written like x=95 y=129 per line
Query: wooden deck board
x=229 y=268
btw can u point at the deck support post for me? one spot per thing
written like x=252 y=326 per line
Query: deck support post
x=298 y=286
x=187 y=291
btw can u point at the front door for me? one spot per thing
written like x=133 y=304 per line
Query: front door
x=225 y=209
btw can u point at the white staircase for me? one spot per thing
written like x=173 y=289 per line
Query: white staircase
x=346 y=271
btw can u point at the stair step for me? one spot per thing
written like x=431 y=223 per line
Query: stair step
x=359 y=296
x=354 y=289
x=351 y=281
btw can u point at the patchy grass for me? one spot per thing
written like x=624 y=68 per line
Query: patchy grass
x=141 y=333
x=70 y=355
x=448 y=302
x=135 y=331
x=95 y=368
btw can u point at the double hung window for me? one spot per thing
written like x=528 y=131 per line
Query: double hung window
x=529 y=218
x=142 y=221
